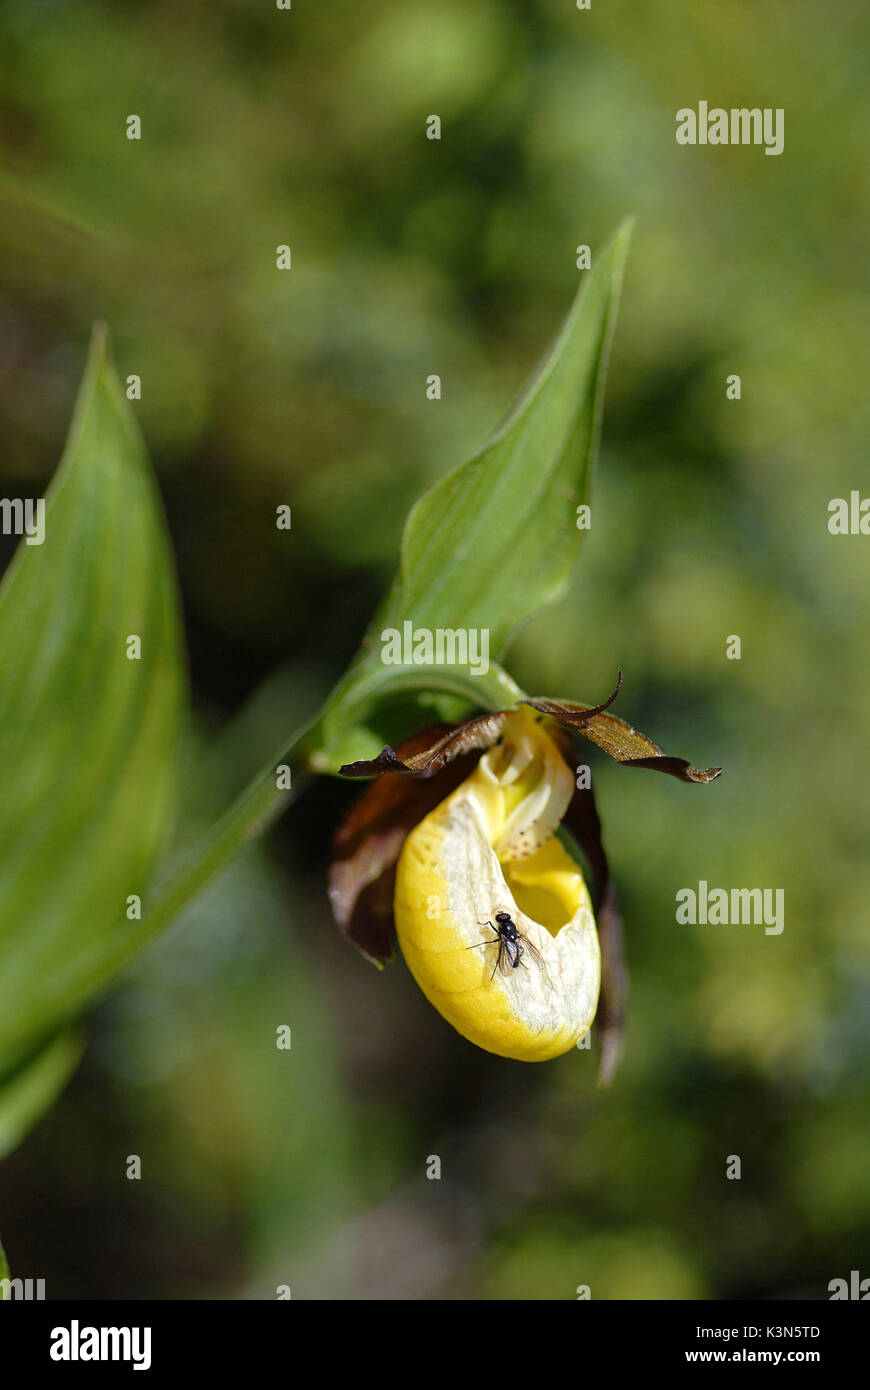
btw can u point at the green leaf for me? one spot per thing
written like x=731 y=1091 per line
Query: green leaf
x=496 y=538
x=4 y=1269
x=32 y=1090
x=88 y=737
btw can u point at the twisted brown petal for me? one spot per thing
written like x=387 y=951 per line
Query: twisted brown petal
x=582 y=820
x=442 y=747
x=368 y=842
x=619 y=739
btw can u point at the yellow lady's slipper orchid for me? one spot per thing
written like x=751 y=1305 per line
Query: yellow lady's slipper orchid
x=458 y=827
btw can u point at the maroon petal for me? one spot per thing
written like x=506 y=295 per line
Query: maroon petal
x=582 y=820
x=368 y=842
x=445 y=742
x=619 y=739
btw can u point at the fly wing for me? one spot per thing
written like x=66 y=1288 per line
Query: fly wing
x=534 y=953
x=537 y=958
x=508 y=957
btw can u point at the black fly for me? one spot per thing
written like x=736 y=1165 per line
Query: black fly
x=512 y=945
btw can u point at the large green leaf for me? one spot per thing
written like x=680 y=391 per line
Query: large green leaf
x=88 y=737
x=496 y=538
x=4 y=1268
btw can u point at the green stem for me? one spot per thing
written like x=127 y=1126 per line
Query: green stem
x=249 y=816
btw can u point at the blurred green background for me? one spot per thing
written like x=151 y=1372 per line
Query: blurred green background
x=412 y=257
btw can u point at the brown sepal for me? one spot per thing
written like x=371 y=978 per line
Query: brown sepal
x=430 y=757
x=619 y=739
x=582 y=820
x=368 y=842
